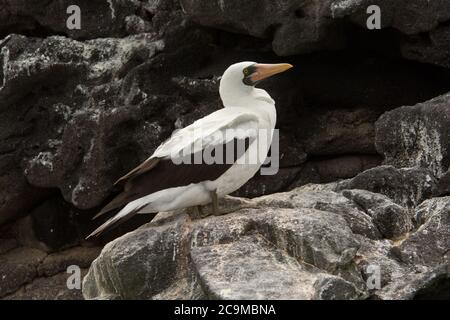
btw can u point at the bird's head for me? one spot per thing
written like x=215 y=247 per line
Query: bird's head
x=239 y=80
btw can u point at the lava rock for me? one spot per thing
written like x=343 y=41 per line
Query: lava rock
x=58 y=262
x=314 y=248
x=339 y=131
x=48 y=288
x=407 y=187
x=19 y=196
x=429 y=245
x=414 y=17
x=424 y=36
x=251 y=269
x=28 y=273
x=7 y=245
x=325 y=200
x=329 y=169
x=99 y=19
x=430 y=284
x=162 y=249
x=392 y=220
x=74 y=134
x=291 y=26
x=430 y=49
x=309 y=243
x=443 y=187
x=428 y=208
x=261 y=185
x=17 y=267
x=377 y=258
x=417 y=135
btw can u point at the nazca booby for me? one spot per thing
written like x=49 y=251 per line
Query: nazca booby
x=164 y=183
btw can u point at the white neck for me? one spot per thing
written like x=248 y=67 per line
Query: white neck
x=255 y=99
x=233 y=95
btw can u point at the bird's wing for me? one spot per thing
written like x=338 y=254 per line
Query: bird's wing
x=163 y=170
x=209 y=130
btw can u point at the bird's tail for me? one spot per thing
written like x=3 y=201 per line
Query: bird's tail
x=129 y=211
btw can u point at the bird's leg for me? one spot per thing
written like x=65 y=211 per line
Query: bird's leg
x=196 y=212
x=199 y=210
x=215 y=203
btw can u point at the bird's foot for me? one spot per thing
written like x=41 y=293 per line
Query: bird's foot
x=197 y=212
x=229 y=205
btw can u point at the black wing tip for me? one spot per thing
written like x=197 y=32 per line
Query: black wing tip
x=114 y=222
x=96 y=233
x=101 y=213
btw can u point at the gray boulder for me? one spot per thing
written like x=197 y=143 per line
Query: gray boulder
x=443 y=187
x=424 y=33
x=391 y=219
x=407 y=187
x=430 y=244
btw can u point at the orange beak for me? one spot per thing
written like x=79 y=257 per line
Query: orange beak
x=264 y=71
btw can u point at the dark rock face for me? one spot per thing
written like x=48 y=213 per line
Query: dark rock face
x=297 y=27
x=391 y=219
x=70 y=131
x=32 y=274
x=364 y=115
x=444 y=185
x=113 y=18
x=417 y=136
x=293 y=27
x=163 y=261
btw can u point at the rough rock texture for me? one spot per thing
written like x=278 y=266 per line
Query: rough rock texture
x=444 y=185
x=430 y=244
x=303 y=26
x=79 y=108
x=417 y=136
x=27 y=273
x=406 y=186
x=310 y=243
x=293 y=26
x=233 y=256
x=84 y=124
x=99 y=19
x=72 y=100
x=391 y=219
x=48 y=288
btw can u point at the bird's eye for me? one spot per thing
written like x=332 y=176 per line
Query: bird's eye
x=246 y=71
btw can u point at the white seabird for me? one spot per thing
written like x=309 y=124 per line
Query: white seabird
x=164 y=183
